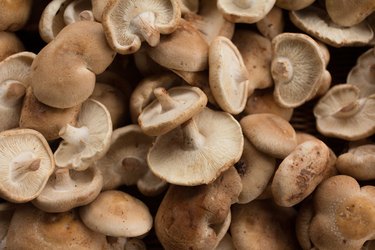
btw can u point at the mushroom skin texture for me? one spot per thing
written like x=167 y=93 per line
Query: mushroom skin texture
x=197 y=217
x=9 y=44
x=78 y=53
x=14 y=14
x=344 y=214
x=272 y=24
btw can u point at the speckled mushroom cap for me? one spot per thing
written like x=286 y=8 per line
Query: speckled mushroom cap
x=26 y=163
x=51 y=231
x=67 y=189
x=228 y=77
x=9 y=44
x=341 y=113
x=270 y=134
x=118 y=214
x=315 y=22
x=344 y=214
x=245 y=11
x=198 y=151
x=362 y=74
x=296 y=79
x=14 y=14
x=171 y=108
x=129 y=22
x=293 y=4
x=88 y=141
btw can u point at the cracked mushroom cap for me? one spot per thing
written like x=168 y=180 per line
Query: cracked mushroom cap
x=344 y=214
x=245 y=11
x=270 y=134
x=67 y=189
x=171 y=108
x=129 y=22
x=14 y=14
x=117 y=214
x=316 y=22
x=228 y=76
x=296 y=79
x=9 y=44
x=26 y=163
x=293 y=4
x=341 y=113
x=198 y=151
x=88 y=141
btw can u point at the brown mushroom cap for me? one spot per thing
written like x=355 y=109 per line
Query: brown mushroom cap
x=199 y=151
x=9 y=44
x=26 y=164
x=315 y=22
x=343 y=114
x=128 y=23
x=293 y=4
x=118 y=214
x=272 y=24
x=270 y=134
x=296 y=79
x=14 y=14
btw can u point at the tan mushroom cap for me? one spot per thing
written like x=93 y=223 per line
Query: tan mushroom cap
x=315 y=22
x=50 y=231
x=129 y=22
x=358 y=162
x=344 y=214
x=272 y=24
x=17 y=67
x=362 y=74
x=341 y=113
x=25 y=166
x=88 y=141
x=118 y=214
x=270 y=134
x=67 y=189
x=256 y=170
x=245 y=11
x=300 y=173
x=198 y=151
x=125 y=161
x=45 y=119
x=78 y=10
x=9 y=44
x=228 y=76
x=261 y=224
x=171 y=108
x=293 y=4
x=296 y=79
x=63 y=73
x=14 y=14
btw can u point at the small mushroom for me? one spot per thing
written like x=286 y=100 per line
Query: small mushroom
x=293 y=4
x=78 y=10
x=9 y=44
x=272 y=24
x=14 y=14
x=86 y=142
x=26 y=164
x=128 y=23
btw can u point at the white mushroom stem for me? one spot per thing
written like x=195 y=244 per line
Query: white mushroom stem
x=11 y=91
x=243 y=4
x=75 y=136
x=86 y=15
x=282 y=69
x=24 y=163
x=143 y=25
x=166 y=101
x=350 y=109
x=193 y=139
x=63 y=180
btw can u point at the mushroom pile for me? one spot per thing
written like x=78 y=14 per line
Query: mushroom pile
x=187 y=124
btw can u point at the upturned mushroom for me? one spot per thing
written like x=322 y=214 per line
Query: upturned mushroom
x=14 y=14
x=9 y=44
x=128 y=23
x=86 y=142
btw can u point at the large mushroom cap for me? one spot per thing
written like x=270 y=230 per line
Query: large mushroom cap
x=14 y=14
x=26 y=163
x=197 y=154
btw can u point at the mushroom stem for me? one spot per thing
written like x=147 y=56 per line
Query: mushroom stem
x=243 y=4
x=193 y=139
x=11 y=91
x=86 y=15
x=166 y=101
x=282 y=69
x=75 y=136
x=349 y=110
x=24 y=163
x=63 y=179
x=143 y=25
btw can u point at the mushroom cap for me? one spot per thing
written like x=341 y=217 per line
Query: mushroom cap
x=293 y=4
x=127 y=22
x=9 y=44
x=20 y=181
x=17 y=67
x=300 y=172
x=118 y=214
x=362 y=74
x=272 y=24
x=96 y=118
x=341 y=113
x=220 y=147
x=155 y=120
x=270 y=134
x=344 y=214
x=98 y=7
x=188 y=6
x=63 y=193
x=78 y=10
x=50 y=231
x=296 y=79
x=228 y=75
x=315 y=22
x=14 y=14
x=245 y=11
